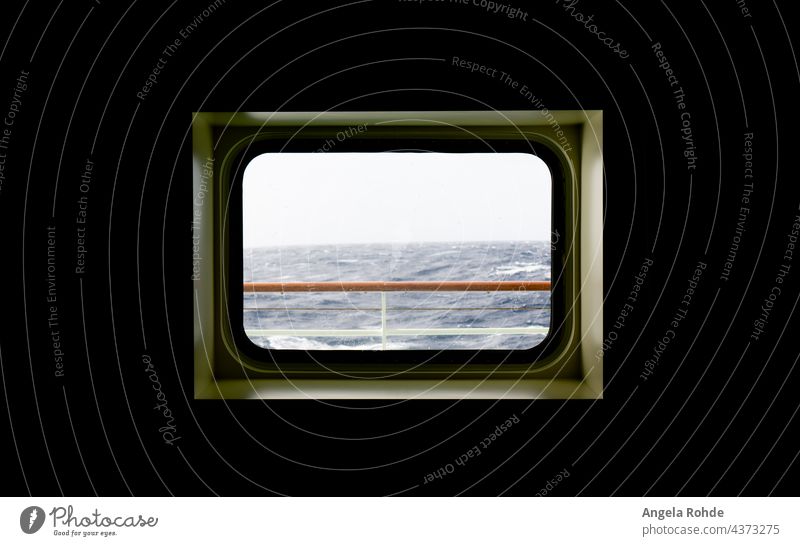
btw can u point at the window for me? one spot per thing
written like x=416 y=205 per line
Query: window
x=286 y=189
x=433 y=254
x=396 y=251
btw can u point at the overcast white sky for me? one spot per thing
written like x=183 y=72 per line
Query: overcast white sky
x=344 y=198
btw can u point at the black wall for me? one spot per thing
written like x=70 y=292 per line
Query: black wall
x=717 y=415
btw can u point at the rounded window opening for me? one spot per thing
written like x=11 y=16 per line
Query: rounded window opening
x=396 y=251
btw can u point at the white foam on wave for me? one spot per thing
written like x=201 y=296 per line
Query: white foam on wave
x=436 y=343
x=519 y=268
x=310 y=344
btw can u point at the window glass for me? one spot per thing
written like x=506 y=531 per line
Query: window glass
x=396 y=251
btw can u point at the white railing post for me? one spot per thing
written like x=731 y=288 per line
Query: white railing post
x=383 y=318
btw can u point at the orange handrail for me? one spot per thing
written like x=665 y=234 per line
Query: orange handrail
x=398 y=286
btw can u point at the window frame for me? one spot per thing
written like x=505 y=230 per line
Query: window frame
x=354 y=363
x=222 y=370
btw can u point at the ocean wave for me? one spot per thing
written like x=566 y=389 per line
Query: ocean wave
x=517 y=268
x=408 y=262
x=315 y=344
x=435 y=343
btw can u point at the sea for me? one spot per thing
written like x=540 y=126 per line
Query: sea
x=443 y=261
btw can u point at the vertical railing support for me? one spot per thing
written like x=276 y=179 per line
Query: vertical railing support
x=383 y=319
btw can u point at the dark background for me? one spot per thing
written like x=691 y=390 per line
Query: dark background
x=718 y=415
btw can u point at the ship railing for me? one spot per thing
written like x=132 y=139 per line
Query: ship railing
x=384 y=287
